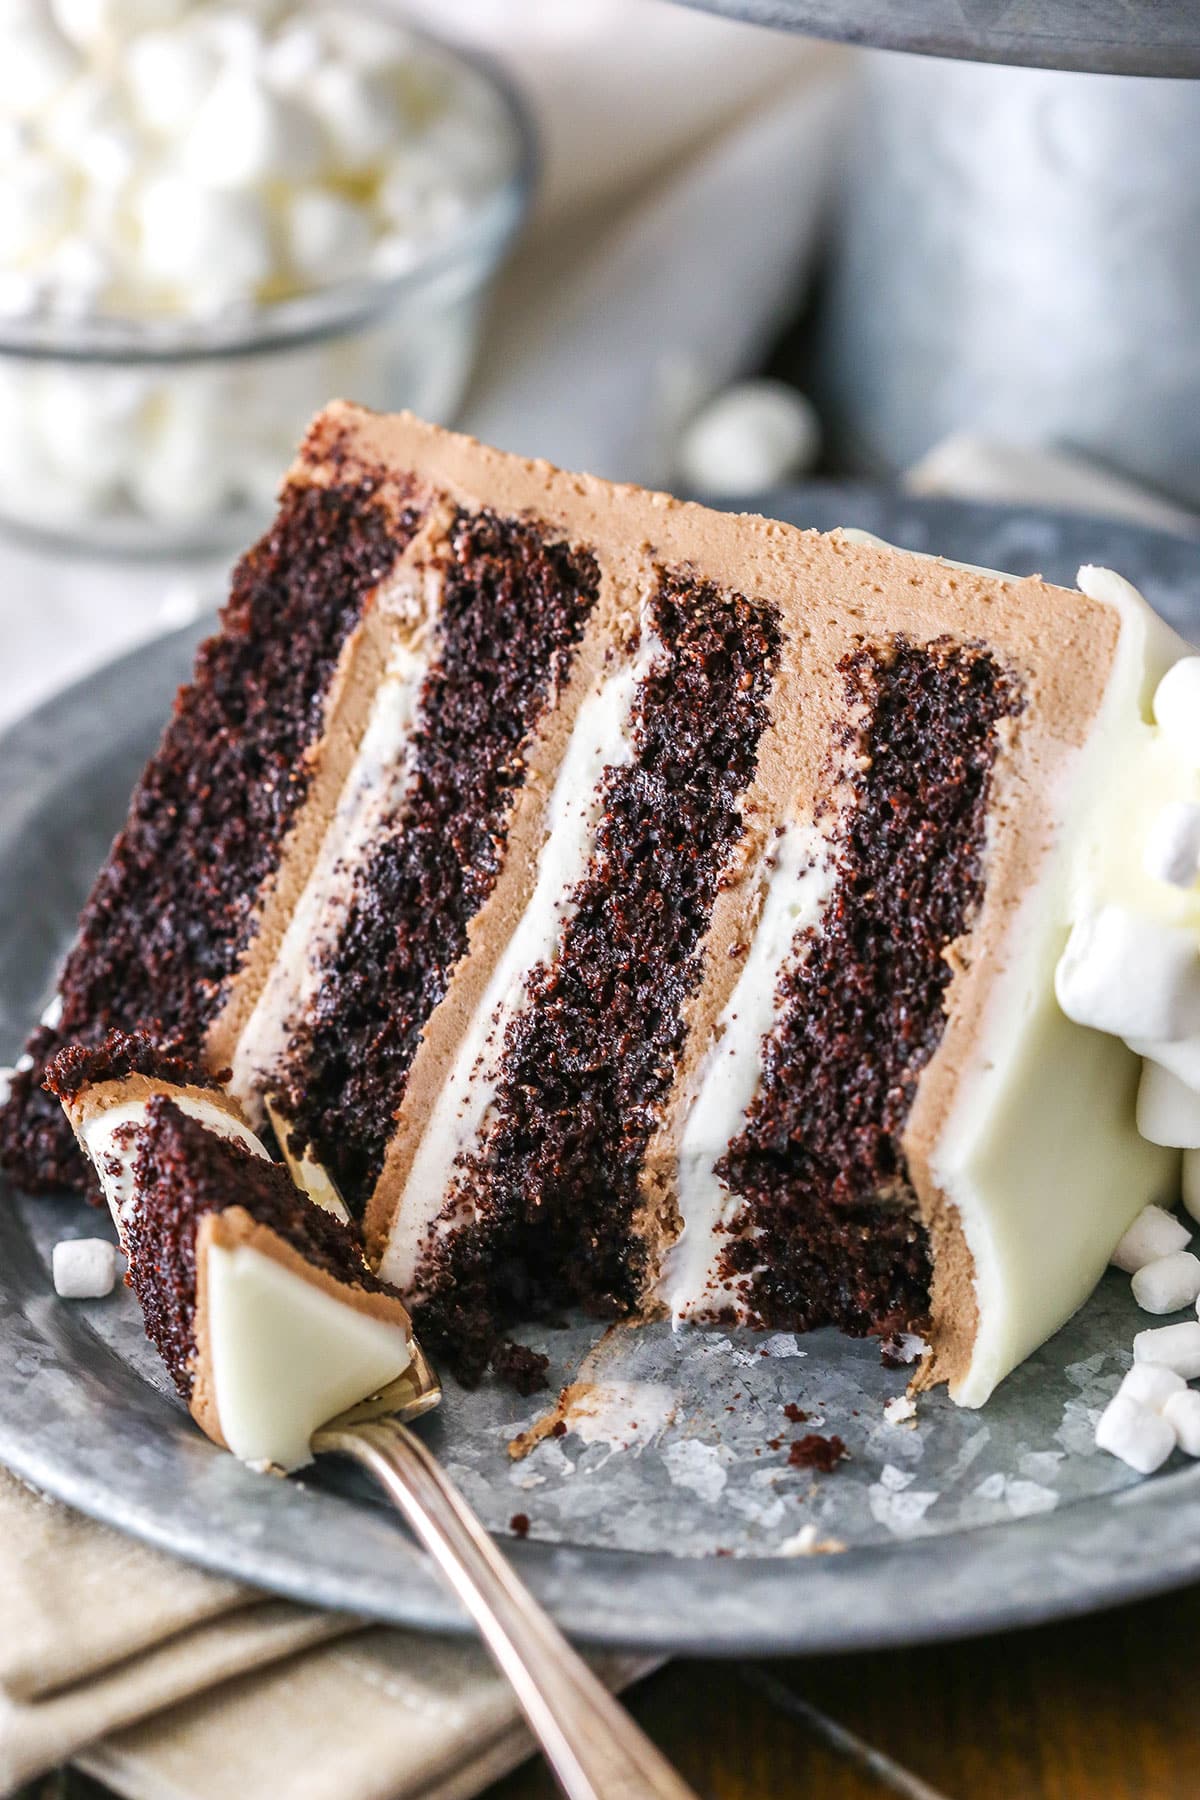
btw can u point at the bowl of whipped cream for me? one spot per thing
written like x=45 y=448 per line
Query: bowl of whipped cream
x=214 y=219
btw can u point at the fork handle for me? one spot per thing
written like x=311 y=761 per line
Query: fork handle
x=595 y=1749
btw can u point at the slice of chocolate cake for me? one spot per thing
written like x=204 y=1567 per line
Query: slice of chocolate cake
x=259 y=1301
x=642 y=907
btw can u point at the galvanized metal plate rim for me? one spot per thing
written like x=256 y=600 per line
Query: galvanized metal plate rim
x=1109 y=38
x=82 y=1424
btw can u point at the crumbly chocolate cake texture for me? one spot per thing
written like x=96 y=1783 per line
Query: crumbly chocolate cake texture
x=630 y=906
x=181 y=1173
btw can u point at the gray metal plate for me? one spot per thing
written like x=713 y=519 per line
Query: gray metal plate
x=660 y=1519
x=1111 y=37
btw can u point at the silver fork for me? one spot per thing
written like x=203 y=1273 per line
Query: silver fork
x=595 y=1749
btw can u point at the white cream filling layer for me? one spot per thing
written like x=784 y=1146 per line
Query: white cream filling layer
x=373 y=792
x=799 y=876
x=601 y=739
x=287 y=1356
x=111 y=1142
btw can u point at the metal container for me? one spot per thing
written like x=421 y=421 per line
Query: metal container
x=1018 y=252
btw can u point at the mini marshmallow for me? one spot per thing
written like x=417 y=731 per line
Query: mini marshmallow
x=1141 y=1438
x=1191 y=1183
x=1171 y=1347
x=1154 y=1233
x=1168 y=1284
x=1180 y=1058
x=192 y=237
x=754 y=435
x=1172 y=851
x=243 y=135
x=327 y=238
x=35 y=208
x=1182 y=1414
x=360 y=112
x=83 y=1268
x=36 y=64
x=1151 y=1385
x=1168 y=1113
x=1130 y=975
x=1177 y=707
x=169 y=75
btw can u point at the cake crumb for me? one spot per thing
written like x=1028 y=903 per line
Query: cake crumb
x=519 y=1367
x=806 y=1542
x=519 y=1525
x=902 y=1348
x=795 y=1414
x=900 y=1410
x=816 y=1452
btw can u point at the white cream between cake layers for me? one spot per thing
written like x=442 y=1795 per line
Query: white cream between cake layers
x=798 y=877
x=601 y=739
x=1040 y=1155
x=284 y=1353
x=372 y=794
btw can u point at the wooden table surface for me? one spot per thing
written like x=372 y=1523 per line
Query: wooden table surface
x=1103 y=1708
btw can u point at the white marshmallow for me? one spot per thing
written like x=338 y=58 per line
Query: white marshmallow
x=360 y=111
x=327 y=238
x=1168 y=1113
x=80 y=273
x=180 y=476
x=1180 y=1058
x=366 y=40
x=1177 y=707
x=1154 y=1233
x=243 y=135
x=1151 y=1386
x=1141 y=1438
x=203 y=239
x=169 y=74
x=1168 y=1284
x=1182 y=1413
x=1191 y=1183
x=36 y=196
x=1131 y=976
x=83 y=1268
x=97 y=24
x=1171 y=1347
x=753 y=436
x=292 y=57
x=1172 y=852
x=36 y=63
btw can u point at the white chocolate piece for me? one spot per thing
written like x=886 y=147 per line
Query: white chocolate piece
x=1168 y=1284
x=288 y=1356
x=1141 y=1438
x=1177 y=707
x=1168 y=1113
x=1152 y=1385
x=1171 y=1347
x=1130 y=976
x=83 y=1268
x=1154 y=1233
x=1191 y=1183
x=1172 y=851
x=753 y=436
x=1182 y=1414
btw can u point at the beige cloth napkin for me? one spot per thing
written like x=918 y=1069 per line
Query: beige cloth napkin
x=171 y=1684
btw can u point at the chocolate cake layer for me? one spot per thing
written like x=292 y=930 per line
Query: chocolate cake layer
x=552 y=1193
x=174 y=906
x=515 y=602
x=829 y=1232
x=120 y=1054
x=184 y=1171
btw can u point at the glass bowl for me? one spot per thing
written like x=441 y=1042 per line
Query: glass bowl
x=155 y=435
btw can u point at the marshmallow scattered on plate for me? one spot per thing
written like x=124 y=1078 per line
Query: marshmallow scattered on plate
x=83 y=1268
